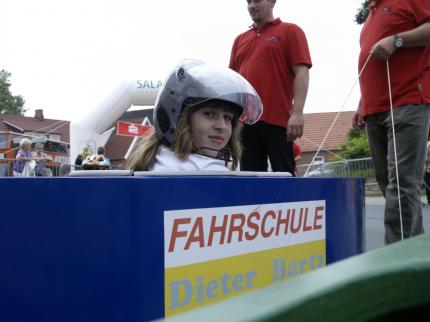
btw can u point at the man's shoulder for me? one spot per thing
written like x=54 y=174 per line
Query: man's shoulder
x=289 y=26
x=244 y=34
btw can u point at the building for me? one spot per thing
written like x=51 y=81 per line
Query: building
x=316 y=128
x=54 y=134
x=37 y=126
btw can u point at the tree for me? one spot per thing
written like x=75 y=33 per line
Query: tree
x=356 y=146
x=9 y=104
x=363 y=12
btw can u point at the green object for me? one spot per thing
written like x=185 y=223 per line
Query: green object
x=388 y=284
x=9 y=104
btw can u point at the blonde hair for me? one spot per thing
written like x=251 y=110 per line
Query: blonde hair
x=182 y=145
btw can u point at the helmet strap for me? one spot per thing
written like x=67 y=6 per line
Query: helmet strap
x=223 y=154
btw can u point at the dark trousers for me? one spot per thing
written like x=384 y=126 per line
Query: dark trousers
x=261 y=141
x=427 y=186
x=412 y=127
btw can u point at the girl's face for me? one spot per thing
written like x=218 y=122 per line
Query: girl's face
x=211 y=128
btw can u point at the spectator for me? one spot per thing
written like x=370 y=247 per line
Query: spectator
x=40 y=157
x=396 y=34
x=21 y=165
x=274 y=57
x=297 y=155
x=98 y=161
x=78 y=161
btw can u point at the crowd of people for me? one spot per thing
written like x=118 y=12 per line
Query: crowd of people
x=89 y=161
x=29 y=162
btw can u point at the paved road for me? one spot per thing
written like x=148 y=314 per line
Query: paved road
x=375 y=221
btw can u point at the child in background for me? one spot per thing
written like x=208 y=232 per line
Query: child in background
x=41 y=159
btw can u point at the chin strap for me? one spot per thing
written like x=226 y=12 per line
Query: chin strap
x=222 y=154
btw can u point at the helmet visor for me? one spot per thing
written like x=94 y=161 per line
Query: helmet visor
x=205 y=82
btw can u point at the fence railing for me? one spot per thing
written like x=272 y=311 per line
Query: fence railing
x=362 y=168
x=53 y=169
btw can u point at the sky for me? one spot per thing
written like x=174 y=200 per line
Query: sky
x=66 y=57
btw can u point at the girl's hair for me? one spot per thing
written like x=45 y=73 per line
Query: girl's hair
x=182 y=145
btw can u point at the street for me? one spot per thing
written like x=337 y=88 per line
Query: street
x=375 y=221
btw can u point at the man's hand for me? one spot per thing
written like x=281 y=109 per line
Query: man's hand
x=295 y=126
x=357 y=119
x=383 y=49
x=300 y=91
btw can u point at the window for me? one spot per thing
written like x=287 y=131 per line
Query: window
x=54 y=137
x=3 y=141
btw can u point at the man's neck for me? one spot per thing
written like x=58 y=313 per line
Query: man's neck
x=259 y=25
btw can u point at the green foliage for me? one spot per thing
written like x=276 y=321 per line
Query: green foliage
x=356 y=147
x=362 y=12
x=355 y=133
x=9 y=104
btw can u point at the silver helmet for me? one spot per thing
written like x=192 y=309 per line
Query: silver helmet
x=193 y=82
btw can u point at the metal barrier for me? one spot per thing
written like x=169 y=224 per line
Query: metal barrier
x=362 y=168
x=53 y=169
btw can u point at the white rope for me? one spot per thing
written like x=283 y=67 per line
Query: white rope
x=325 y=149
x=337 y=116
x=395 y=149
x=41 y=135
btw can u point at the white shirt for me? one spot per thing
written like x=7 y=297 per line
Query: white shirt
x=166 y=160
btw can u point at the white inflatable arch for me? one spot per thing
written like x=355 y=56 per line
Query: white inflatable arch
x=95 y=129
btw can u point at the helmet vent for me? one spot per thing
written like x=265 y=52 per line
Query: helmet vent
x=163 y=119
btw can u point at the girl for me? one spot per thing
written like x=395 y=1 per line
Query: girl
x=196 y=120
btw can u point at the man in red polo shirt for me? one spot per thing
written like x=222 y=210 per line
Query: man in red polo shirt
x=274 y=57
x=397 y=32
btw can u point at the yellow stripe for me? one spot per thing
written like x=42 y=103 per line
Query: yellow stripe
x=191 y=286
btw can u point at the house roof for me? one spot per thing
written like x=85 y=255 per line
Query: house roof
x=18 y=123
x=317 y=126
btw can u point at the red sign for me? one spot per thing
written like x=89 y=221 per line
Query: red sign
x=131 y=129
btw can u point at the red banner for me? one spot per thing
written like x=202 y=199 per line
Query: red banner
x=131 y=129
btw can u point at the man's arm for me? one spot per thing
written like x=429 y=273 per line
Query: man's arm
x=232 y=63
x=417 y=37
x=300 y=88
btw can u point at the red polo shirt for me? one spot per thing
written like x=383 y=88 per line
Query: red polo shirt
x=266 y=59
x=409 y=67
